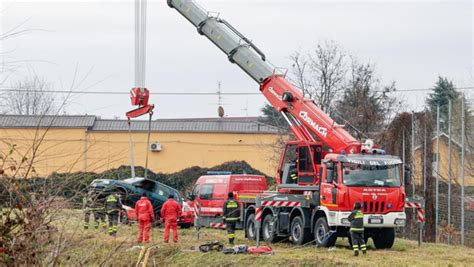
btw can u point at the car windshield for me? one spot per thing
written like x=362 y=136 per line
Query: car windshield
x=371 y=175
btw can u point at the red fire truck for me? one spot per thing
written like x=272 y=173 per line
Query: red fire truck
x=321 y=174
x=210 y=192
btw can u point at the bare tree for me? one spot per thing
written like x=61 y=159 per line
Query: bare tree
x=29 y=97
x=366 y=102
x=320 y=74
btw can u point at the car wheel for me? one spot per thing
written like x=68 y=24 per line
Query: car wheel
x=124 y=217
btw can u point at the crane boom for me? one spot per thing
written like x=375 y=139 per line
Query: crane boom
x=305 y=118
x=237 y=47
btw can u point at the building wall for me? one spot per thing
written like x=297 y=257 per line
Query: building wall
x=444 y=166
x=52 y=150
x=64 y=150
x=455 y=191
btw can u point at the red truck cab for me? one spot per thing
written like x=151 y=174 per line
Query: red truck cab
x=211 y=191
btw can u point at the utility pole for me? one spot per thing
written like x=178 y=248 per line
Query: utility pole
x=403 y=156
x=220 y=109
x=219 y=94
x=462 y=168
x=449 y=168
x=437 y=175
x=424 y=161
x=413 y=150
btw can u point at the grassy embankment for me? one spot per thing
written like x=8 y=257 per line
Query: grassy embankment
x=95 y=247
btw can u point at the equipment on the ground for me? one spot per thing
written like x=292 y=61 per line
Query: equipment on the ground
x=211 y=246
x=263 y=250
x=331 y=169
x=239 y=249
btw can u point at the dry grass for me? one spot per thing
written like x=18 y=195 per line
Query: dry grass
x=95 y=247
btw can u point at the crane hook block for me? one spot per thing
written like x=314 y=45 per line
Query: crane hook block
x=139 y=96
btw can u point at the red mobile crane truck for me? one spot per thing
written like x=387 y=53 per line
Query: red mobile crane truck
x=334 y=170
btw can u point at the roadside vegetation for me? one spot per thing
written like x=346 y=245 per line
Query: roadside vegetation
x=95 y=247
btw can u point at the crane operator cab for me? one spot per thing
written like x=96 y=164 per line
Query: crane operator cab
x=300 y=163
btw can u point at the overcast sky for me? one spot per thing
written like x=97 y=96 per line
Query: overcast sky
x=411 y=43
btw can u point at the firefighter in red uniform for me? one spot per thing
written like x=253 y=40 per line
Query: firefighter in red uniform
x=171 y=211
x=145 y=215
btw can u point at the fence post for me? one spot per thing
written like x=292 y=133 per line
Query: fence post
x=462 y=167
x=258 y=218
x=197 y=223
x=449 y=169
x=421 y=223
x=437 y=176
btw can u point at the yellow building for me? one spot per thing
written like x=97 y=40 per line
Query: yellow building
x=443 y=161
x=88 y=143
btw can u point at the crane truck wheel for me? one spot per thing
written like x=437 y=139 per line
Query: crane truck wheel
x=384 y=238
x=250 y=229
x=299 y=234
x=268 y=232
x=322 y=235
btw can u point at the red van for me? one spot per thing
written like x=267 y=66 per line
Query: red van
x=210 y=192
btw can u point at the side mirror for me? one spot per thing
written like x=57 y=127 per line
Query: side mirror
x=407 y=175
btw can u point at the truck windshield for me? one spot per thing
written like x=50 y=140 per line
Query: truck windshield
x=370 y=175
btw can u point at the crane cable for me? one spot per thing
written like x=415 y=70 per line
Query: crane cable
x=140 y=70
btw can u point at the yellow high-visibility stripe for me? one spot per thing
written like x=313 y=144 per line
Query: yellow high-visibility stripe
x=357 y=229
x=245 y=196
x=328 y=204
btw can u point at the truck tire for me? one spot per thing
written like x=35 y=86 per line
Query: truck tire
x=384 y=238
x=299 y=235
x=268 y=231
x=321 y=233
x=250 y=229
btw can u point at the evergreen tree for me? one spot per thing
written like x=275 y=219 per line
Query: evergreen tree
x=443 y=91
